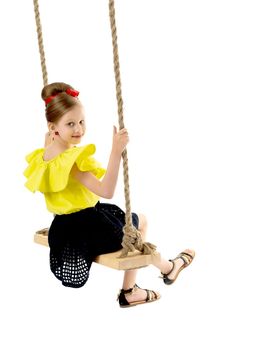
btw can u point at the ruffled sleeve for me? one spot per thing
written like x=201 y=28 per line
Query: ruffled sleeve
x=53 y=175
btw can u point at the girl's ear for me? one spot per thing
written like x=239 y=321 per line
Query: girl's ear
x=51 y=126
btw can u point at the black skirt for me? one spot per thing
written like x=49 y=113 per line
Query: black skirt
x=76 y=239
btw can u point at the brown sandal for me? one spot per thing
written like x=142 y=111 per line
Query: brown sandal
x=123 y=302
x=187 y=258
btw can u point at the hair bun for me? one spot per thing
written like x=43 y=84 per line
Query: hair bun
x=53 y=89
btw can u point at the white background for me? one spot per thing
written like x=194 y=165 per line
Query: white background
x=192 y=88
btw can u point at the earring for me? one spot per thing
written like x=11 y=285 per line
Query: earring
x=55 y=133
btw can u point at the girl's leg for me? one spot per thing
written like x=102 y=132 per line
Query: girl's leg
x=130 y=275
x=165 y=266
x=129 y=279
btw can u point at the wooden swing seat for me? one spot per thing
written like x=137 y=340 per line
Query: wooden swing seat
x=134 y=260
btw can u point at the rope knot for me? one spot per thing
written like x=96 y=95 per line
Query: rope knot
x=132 y=241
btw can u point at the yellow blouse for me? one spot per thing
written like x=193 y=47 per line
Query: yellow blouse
x=63 y=193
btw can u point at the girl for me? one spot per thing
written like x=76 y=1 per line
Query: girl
x=72 y=182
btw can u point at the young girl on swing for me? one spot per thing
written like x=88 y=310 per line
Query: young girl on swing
x=72 y=182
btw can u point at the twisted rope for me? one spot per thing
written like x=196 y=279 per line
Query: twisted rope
x=132 y=238
x=40 y=43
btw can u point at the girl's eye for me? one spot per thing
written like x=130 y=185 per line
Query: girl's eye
x=82 y=122
x=71 y=124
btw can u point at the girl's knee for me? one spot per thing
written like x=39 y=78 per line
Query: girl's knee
x=142 y=223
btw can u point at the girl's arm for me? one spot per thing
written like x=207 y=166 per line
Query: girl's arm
x=106 y=187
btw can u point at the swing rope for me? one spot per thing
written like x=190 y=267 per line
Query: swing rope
x=132 y=237
x=40 y=43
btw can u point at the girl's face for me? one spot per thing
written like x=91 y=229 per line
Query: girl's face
x=71 y=127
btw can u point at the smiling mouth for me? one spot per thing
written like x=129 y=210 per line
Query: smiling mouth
x=77 y=136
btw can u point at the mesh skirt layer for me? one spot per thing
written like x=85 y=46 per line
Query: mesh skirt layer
x=76 y=239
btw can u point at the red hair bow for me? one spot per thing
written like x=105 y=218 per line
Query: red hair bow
x=49 y=99
x=71 y=92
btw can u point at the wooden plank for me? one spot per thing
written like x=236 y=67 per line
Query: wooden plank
x=41 y=238
x=134 y=260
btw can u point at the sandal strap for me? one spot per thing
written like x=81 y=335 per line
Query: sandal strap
x=130 y=290
x=186 y=262
x=164 y=275
x=186 y=257
x=151 y=295
x=127 y=291
x=190 y=256
x=154 y=295
x=148 y=297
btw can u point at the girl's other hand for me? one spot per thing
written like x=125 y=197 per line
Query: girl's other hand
x=120 y=140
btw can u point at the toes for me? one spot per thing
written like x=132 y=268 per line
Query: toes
x=191 y=252
x=152 y=295
x=187 y=256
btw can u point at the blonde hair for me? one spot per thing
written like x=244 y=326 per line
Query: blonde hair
x=59 y=105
